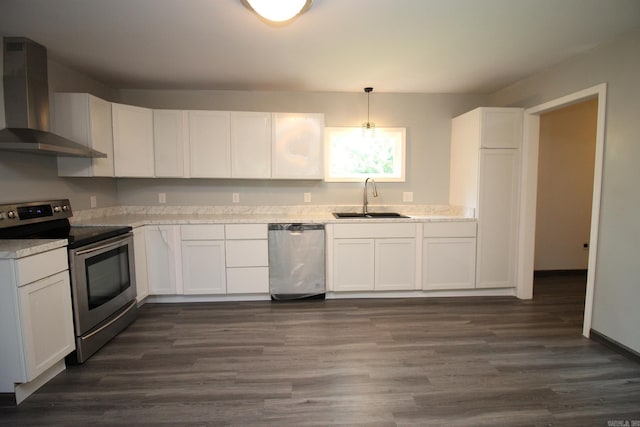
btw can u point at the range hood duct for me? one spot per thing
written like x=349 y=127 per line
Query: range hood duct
x=26 y=103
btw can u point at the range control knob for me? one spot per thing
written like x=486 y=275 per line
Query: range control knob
x=65 y=208
x=2 y=216
x=56 y=209
x=11 y=214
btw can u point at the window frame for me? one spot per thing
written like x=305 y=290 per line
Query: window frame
x=331 y=131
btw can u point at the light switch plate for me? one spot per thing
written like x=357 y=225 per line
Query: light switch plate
x=307 y=197
x=236 y=197
x=93 y=201
x=162 y=197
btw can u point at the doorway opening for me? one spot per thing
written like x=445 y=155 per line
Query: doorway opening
x=529 y=195
x=566 y=157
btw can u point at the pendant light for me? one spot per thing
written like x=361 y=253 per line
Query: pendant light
x=368 y=126
x=277 y=11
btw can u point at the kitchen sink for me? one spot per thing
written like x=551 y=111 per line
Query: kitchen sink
x=369 y=215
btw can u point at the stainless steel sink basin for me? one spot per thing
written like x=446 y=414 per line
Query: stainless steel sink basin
x=345 y=215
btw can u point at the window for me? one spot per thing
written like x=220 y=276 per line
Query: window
x=352 y=154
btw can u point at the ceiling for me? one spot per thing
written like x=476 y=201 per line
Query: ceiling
x=416 y=46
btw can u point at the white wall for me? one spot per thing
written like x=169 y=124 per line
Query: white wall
x=30 y=176
x=565 y=186
x=426 y=117
x=617 y=281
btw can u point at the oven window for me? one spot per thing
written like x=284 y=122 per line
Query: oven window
x=107 y=275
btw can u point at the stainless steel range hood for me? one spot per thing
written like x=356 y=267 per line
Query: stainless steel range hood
x=26 y=103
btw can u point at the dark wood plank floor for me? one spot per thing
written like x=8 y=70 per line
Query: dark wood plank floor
x=400 y=362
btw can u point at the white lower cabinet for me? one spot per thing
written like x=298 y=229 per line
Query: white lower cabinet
x=395 y=264
x=36 y=320
x=247 y=258
x=203 y=267
x=374 y=257
x=449 y=256
x=353 y=264
x=163 y=259
x=45 y=308
x=140 y=263
x=203 y=259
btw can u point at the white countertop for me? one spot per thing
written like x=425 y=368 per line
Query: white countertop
x=20 y=248
x=137 y=216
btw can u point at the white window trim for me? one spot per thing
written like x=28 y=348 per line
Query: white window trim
x=328 y=131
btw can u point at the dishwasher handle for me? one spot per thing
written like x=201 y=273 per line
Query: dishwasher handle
x=295 y=227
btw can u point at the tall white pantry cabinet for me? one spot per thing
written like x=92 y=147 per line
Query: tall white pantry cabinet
x=485 y=176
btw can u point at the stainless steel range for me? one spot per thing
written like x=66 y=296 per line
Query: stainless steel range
x=100 y=264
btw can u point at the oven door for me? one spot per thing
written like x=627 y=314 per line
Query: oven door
x=102 y=280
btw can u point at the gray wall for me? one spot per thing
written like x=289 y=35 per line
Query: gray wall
x=29 y=176
x=426 y=117
x=617 y=281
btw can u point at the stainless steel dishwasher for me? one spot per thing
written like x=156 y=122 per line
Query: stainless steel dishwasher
x=296 y=261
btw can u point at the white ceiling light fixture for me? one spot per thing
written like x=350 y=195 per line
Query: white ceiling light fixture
x=278 y=11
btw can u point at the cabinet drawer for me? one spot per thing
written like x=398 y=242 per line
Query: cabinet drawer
x=450 y=229
x=247 y=253
x=249 y=280
x=41 y=265
x=374 y=230
x=202 y=232
x=246 y=231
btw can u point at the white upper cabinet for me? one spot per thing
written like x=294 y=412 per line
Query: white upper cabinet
x=250 y=145
x=85 y=119
x=501 y=127
x=170 y=143
x=209 y=144
x=297 y=146
x=132 y=141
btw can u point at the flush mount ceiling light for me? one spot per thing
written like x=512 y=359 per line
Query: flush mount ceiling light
x=368 y=125
x=278 y=11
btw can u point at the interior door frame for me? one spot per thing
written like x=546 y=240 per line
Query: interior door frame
x=529 y=185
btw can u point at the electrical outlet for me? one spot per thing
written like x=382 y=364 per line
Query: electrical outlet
x=93 y=201
x=407 y=196
x=236 y=197
x=307 y=197
x=162 y=197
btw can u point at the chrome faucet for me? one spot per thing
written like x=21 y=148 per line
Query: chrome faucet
x=365 y=200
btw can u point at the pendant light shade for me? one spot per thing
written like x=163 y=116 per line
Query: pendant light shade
x=368 y=125
x=278 y=11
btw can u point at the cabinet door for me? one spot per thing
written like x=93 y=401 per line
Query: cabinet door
x=47 y=322
x=250 y=145
x=85 y=119
x=395 y=264
x=248 y=280
x=162 y=259
x=209 y=144
x=203 y=267
x=498 y=218
x=353 y=264
x=449 y=263
x=132 y=141
x=247 y=253
x=501 y=127
x=169 y=143
x=297 y=146
x=140 y=263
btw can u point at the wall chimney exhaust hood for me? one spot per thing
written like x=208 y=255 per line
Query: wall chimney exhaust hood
x=26 y=103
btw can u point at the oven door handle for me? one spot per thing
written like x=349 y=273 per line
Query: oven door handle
x=100 y=248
